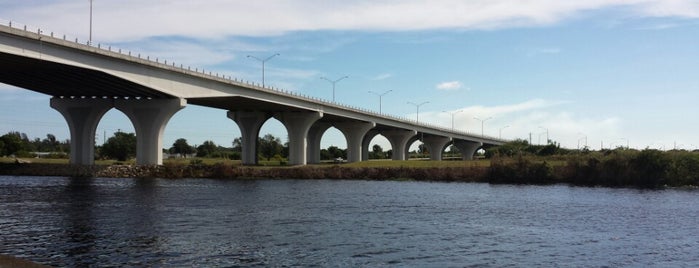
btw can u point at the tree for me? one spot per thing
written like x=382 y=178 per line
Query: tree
x=121 y=146
x=182 y=148
x=238 y=145
x=377 y=152
x=208 y=148
x=269 y=146
x=13 y=143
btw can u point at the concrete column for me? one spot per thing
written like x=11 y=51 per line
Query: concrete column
x=435 y=144
x=399 y=141
x=315 y=134
x=467 y=148
x=249 y=124
x=297 y=125
x=149 y=118
x=354 y=133
x=82 y=116
x=365 y=143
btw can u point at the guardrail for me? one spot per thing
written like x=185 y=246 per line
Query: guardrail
x=108 y=49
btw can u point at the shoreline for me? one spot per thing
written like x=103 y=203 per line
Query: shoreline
x=512 y=171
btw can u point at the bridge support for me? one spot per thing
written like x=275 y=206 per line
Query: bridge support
x=249 y=124
x=435 y=144
x=365 y=143
x=467 y=148
x=149 y=118
x=82 y=116
x=354 y=133
x=297 y=125
x=315 y=134
x=399 y=142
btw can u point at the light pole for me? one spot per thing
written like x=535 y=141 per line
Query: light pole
x=417 y=113
x=334 y=82
x=585 y=138
x=500 y=131
x=90 y=39
x=547 y=134
x=482 y=124
x=263 y=65
x=452 y=117
x=380 y=96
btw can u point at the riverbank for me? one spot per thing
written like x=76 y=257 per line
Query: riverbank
x=226 y=171
x=644 y=169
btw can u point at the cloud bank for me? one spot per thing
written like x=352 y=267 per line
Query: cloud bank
x=119 y=20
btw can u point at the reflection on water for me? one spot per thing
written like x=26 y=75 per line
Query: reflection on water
x=78 y=222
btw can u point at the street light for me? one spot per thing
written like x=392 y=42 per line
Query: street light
x=263 y=65
x=90 y=39
x=500 y=131
x=452 y=117
x=482 y=124
x=627 y=142
x=579 y=139
x=547 y=134
x=334 y=82
x=380 y=96
x=417 y=113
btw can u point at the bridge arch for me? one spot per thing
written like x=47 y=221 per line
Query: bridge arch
x=372 y=138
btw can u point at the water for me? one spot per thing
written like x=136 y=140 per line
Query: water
x=218 y=223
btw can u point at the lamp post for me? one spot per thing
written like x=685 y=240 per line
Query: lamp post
x=452 y=117
x=417 y=113
x=380 y=96
x=500 y=131
x=547 y=134
x=263 y=65
x=90 y=39
x=627 y=142
x=482 y=124
x=334 y=82
x=579 y=139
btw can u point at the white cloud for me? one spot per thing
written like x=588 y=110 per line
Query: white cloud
x=134 y=20
x=448 y=86
x=543 y=51
x=382 y=76
x=533 y=116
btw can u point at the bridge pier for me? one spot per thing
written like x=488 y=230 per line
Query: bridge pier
x=366 y=143
x=82 y=116
x=297 y=125
x=249 y=124
x=149 y=118
x=399 y=142
x=435 y=144
x=315 y=134
x=467 y=148
x=354 y=133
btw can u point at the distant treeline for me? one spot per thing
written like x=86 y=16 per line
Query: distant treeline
x=19 y=145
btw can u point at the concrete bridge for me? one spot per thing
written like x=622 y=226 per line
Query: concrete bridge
x=87 y=80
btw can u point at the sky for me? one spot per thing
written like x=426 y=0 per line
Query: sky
x=598 y=72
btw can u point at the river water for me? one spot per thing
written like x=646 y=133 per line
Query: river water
x=69 y=222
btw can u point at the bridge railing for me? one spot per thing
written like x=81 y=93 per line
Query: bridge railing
x=171 y=65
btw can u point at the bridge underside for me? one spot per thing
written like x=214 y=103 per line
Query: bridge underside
x=58 y=80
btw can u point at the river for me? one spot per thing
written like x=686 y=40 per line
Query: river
x=70 y=222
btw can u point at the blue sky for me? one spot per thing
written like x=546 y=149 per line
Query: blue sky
x=611 y=71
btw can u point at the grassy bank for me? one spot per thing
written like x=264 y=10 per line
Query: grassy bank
x=617 y=168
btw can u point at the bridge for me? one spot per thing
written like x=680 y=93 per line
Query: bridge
x=87 y=80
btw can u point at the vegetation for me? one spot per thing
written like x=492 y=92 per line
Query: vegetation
x=122 y=146
x=515 y=162
x=18 y=145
